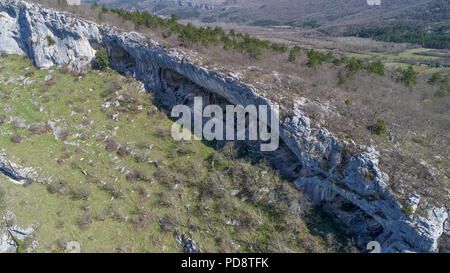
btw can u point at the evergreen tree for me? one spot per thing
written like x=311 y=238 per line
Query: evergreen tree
x=292 y=56
x=408 y=76
x=102 y=59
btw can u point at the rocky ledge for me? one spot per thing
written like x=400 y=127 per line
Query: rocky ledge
x=343 y=177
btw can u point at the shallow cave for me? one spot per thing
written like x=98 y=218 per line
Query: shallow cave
x=177 y=89
x=121 y=60
x=444 y=243
x=354 y=218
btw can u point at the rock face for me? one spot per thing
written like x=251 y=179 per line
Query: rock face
x=10 y=235
x=14 y=172
x=48 y=38
x=346 y=182
x=188 y=244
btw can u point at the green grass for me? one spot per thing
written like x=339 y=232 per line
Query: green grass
x=398 y=60
x=412 y=54
x=74 y=105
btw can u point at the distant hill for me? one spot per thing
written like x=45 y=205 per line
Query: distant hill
x=297 y=12
x=424 y=22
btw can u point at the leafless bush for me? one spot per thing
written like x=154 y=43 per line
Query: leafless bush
x=164 y=199
x=138 y=175
x=79 y=109
x=64 y=135
x=142 y=219
x=111 y=145
x=213 y=186
x=39 y=129
x=2 y=196
x=141 y=157
x=166 y=179
x=168 y=223
x=229 y=150
x=60 y=187
x=17 y=139
x=85 y=220
x=123 y=150
x=2 y=119
x=143 y=145
x=81 y=193
x=111 y=87
x=162 y=133
x=115 y=190
x=61 y=243
x=144 y=193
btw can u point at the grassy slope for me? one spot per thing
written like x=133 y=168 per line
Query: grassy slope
x=68 y=101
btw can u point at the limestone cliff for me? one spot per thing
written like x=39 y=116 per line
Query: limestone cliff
x=343 y=177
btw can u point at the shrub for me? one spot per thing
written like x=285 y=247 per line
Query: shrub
x=315 y=58
x=2 y=195
x=111 y=87
x=142 y=219
x=164 y=199
x=292 y=56
x=375 y=68
x=60 y=224
x=440 y=93
x=379 y=128
x=229 y=150
x=81 y=193
x=213 y=186
x=111 y=145
x=39 y=129
x=143 y=193
x=60 y=187
x=355 y=65
x=438 y=79
x=115 y=190
x=133 y=176
x=407 y=76
x=341 y=80
x=166 y=179
x=50 y=41
x=168 y=223
x=64 y=135
x=102 y=59
x=85 y=219
x=408 y=210
x=162 y=133
x=123 y=150
x=141 y=157
x=138 y=174
x=17 y=139
x=62 y=3
x=61 y=243
x=2 y=119
x=100 y=16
